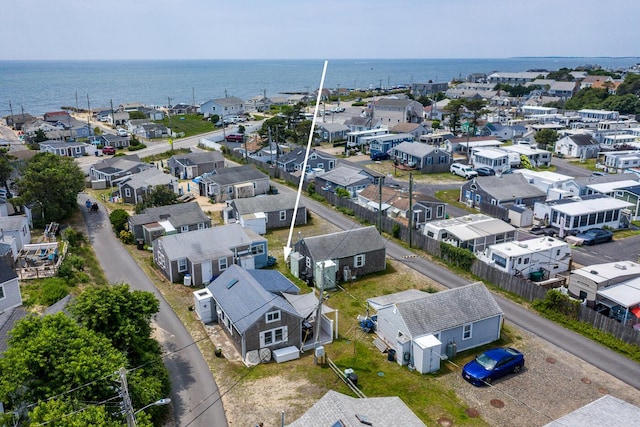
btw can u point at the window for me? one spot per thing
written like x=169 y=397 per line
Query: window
x=273 y=336
x=283 y=215
x=526 y=261
x=440 y=211
x=202 y=226
x=478 y=198
x=272 y=316
x=258 y=249
x=230 y=190
x=307 y=262
x=160 y=260
x=222 y=264
x=358 y=261
x=184 y=228
x=2 y=292
x=466 y=331
x=182 y=265
x=502 y=262
x=127 y=192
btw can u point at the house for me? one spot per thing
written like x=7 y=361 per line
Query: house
x=152 y=130
x=191 y=165
x=474 y=232
x=332 y=132
x=621 y=302
x=182 y=109
x=233 y=183
x=425 y=158
x=10 y=296
x=17 y=121
x=462 y=318
x=502 y=132
x=65 y=149
x=113 y=168
x=179 y=218
x=621 y=161
x=594 y=116
x=223 y=107
x=493 y=158
x=395 y=204
x=630 y=194
x=539 y=258
x=133 y=189
x=581 y=146
x=349 y=177
x=605 y=410
x=586 y=281
x=345 y=254
x=360 y=123
x=115 y=141
x=555 y=185
x=153 y=114
x=564 y=90
x=393 y=110
x=537 y=157
x=17 y=227
x=263 y=311
x=337 y=409
x=467 y=144
x=515 y=79
x=380 y=146
x=574 y=215
x=429 y=88
x=192 y=257
x=264 y=213
x=415 y=129
x=494 y=195
x=317 y=161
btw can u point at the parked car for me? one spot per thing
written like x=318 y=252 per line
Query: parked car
x=485 y=171
x=235 y=137
x=464 y=171
x=122 y=132
x=507 y=172
x=599 y=173
x=108 y=150
x=594 y=236
x=493 y=364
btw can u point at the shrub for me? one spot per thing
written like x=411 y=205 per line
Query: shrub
x=53 y=290
x=395 y=231
x=456 y=256
x=341 y=192
x=119 y=218
x=74 y=237
x=126 y=237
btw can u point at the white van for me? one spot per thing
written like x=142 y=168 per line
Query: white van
x=464 y=171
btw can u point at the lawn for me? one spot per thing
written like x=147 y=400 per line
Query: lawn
x=188 y=124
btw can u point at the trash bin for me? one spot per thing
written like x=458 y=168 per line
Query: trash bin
x=353 y=378
x=391 y=355
x=140 y=244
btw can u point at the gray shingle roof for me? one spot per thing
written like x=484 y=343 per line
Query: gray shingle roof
x=344 y=176
x=345 y=243
x=148 y=177
x=266 y=203
x=190 y=159
x=509 y=187
x=448 y=309
x=228 y=176
x=416 y=149
x=246 y=300
x=178 y=215
x=379 y=411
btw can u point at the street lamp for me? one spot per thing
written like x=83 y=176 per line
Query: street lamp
x=160 y=402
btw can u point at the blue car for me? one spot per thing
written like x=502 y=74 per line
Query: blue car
x=493 y=364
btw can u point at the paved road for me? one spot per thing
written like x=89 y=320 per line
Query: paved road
x=195 y=396
x=595 y=354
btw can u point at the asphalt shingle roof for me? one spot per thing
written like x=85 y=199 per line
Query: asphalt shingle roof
x=266 y=203
x=178 y=215
x=345 y=243
x=509 y=187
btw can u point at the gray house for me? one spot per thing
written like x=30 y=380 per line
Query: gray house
x=191 y=165
x=583 y=146
x=115 y=141
x=16 y=226
x=348 y=177
x=465 y=317
x=10 y=296
x=155 y=222
x=200 y=256
x=233 y=183
x=134 y=188
x=113 y=168
x=423 y=157
x=340 y=256
x=317 y=160
x=264 y=213
x=64 y=149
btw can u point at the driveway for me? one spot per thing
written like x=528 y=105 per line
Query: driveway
x=195 y=397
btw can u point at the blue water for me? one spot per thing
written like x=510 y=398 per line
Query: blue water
x=41 y=86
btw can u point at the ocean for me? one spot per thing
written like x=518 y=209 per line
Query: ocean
x=36 y=87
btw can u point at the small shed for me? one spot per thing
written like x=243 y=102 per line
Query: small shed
x=203 y=303
x=426 y=354
x=520 y=216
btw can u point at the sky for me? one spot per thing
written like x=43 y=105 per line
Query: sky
x=326 y=29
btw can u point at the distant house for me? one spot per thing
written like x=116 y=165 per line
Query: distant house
x=425 y=158
x=113 y=168
x=332 y=132
x=474 y=232
x=194 y=254
x=223 y=107
x=233 y=183
x=415 y=129
x=64 y=149
x=429 y=88
x=493 y=195
x=133 y=189
x=152 y=130
x=351 y=253
x=264 y=213
x=348 y=177
x=466 y=317
x=179 y=218
x=191 y=165
x=16 y=121
x=404 y=110
x=115 y=141
x=502 y=132
x=630 y=194
x=351 y=412
x=317 y=160
x=536 y=156
x=580 y=145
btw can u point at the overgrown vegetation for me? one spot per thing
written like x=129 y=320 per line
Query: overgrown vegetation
x=458 y=257
x=188 y=124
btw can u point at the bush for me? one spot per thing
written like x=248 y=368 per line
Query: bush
x=341 y=192
x=126 y=237
x=74 y=237
x=136 y=147
x=65 y=271
x=119 y=219
x=53 y=290
x=395 y=231
x=456 y=256
x=75 y=262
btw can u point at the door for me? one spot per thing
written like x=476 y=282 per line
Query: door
x=207 y=274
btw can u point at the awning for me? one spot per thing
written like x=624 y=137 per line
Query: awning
x=636 y=311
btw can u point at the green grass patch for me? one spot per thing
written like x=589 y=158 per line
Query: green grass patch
x=165 y=155
x=589 y=164
x=188 y=124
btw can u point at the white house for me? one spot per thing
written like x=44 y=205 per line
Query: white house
x=536 y=156
x=223 y=107
x=580 y=214
x=539 y=258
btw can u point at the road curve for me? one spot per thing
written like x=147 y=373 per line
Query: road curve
x=195 y=396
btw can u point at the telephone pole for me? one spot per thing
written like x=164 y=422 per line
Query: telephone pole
x=410 y=207
x=127 y=407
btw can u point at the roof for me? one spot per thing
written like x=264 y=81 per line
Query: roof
x=6 y=273
x=607 y=410
x=344 y=243
x=118 y=163
x=418 y=149
x=196 y=245
x=608 y=187
x=147 y=177
x=627 y=293
x=403 y=296
x=582 y=140
x=611 y=270
x=266 y=203
x=525 y=247
x=178 y=215
x=405 y=127
x=344 y=175
x=197 y=158
x=379 y=411
x=8 y=319
x=244 y=298
x=591 y=205
x=508 y=187
x=448 y=309
x=299 y=154
x=490 y=227
x=229 y=176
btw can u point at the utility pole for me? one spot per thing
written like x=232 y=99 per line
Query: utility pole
x=10 y=107
x=380 y=206
x=170 y=128
x=410 y=207
x=127 y=407
x=89 y=114
x=271 y=154
x=193 y=96
x=113 y=119
x=338 y=96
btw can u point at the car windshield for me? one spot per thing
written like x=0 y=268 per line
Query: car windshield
x=486 y=362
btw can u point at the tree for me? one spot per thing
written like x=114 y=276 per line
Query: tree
x=476 y=108
x=454 y=110
x=425 y=101
x=40 y=136
x=631 y=84
x=64 y=413
x=119 y=219
x=51 y=355
x=158 y=196
x=546 y=137
x=5 y=171
x=51 y=183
